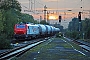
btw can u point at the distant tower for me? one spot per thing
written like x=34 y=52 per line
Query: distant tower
x=45 y=12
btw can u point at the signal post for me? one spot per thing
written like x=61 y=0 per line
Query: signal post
x=79 y=18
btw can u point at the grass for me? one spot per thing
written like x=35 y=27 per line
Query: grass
x=73 y=44
x=66 y=46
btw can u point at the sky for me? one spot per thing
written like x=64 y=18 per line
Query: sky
x=61 y=5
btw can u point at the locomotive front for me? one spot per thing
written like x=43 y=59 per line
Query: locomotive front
x=20 y=30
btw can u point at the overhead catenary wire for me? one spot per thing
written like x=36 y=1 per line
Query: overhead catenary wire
x=33 y=8
x=40 y=3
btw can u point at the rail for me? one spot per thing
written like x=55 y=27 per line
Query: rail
x=18 y=51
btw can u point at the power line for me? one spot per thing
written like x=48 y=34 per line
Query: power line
x=40 y=3
x=24 y=6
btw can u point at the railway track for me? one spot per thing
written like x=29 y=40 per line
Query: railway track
x=19 y=50
x=84 y=45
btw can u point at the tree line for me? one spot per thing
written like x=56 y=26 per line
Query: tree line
x=78 y=30
x=10 y=14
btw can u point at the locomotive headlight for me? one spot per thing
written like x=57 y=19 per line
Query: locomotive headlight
x=14 y=32
x=24 y=33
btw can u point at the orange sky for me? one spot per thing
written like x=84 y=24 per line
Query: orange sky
x=61 y=5
x=52 y=5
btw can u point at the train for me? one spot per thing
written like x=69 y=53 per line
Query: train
x=29 y=31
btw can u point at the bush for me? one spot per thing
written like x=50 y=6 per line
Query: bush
x=4 y=43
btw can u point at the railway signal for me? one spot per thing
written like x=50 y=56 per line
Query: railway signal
x=60 y=17
x=79 y=16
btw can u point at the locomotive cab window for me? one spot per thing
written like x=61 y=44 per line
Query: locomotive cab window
x=20 y=26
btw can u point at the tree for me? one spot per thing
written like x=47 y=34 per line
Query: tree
x=1 y=23
x=74 y=25
x=27 y=18
x=10 y=9
x=44 y=22
x=86 y=28
x=10 y=20
x=8 y=4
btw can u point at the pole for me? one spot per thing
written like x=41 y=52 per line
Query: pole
x=79 y=26
x=79 y=18
x=89 y=13
x=47 y=16
x=34 y=6
x=29 y=4
x=45 y=12
x=40 y=19
x=83 y=35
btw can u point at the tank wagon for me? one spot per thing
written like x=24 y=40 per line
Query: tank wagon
x=28 y=31
x=49 y=30
x=42 y=29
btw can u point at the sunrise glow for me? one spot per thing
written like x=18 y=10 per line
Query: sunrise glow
x=53 y=17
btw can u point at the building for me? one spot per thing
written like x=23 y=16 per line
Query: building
x=53 y=21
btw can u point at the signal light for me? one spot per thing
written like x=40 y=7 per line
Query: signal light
x=79 y=16
x=60 y=18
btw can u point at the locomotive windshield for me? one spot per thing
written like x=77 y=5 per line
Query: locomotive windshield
x=20 y=26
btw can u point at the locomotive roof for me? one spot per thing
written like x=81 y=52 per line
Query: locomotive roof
x=31 y=25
